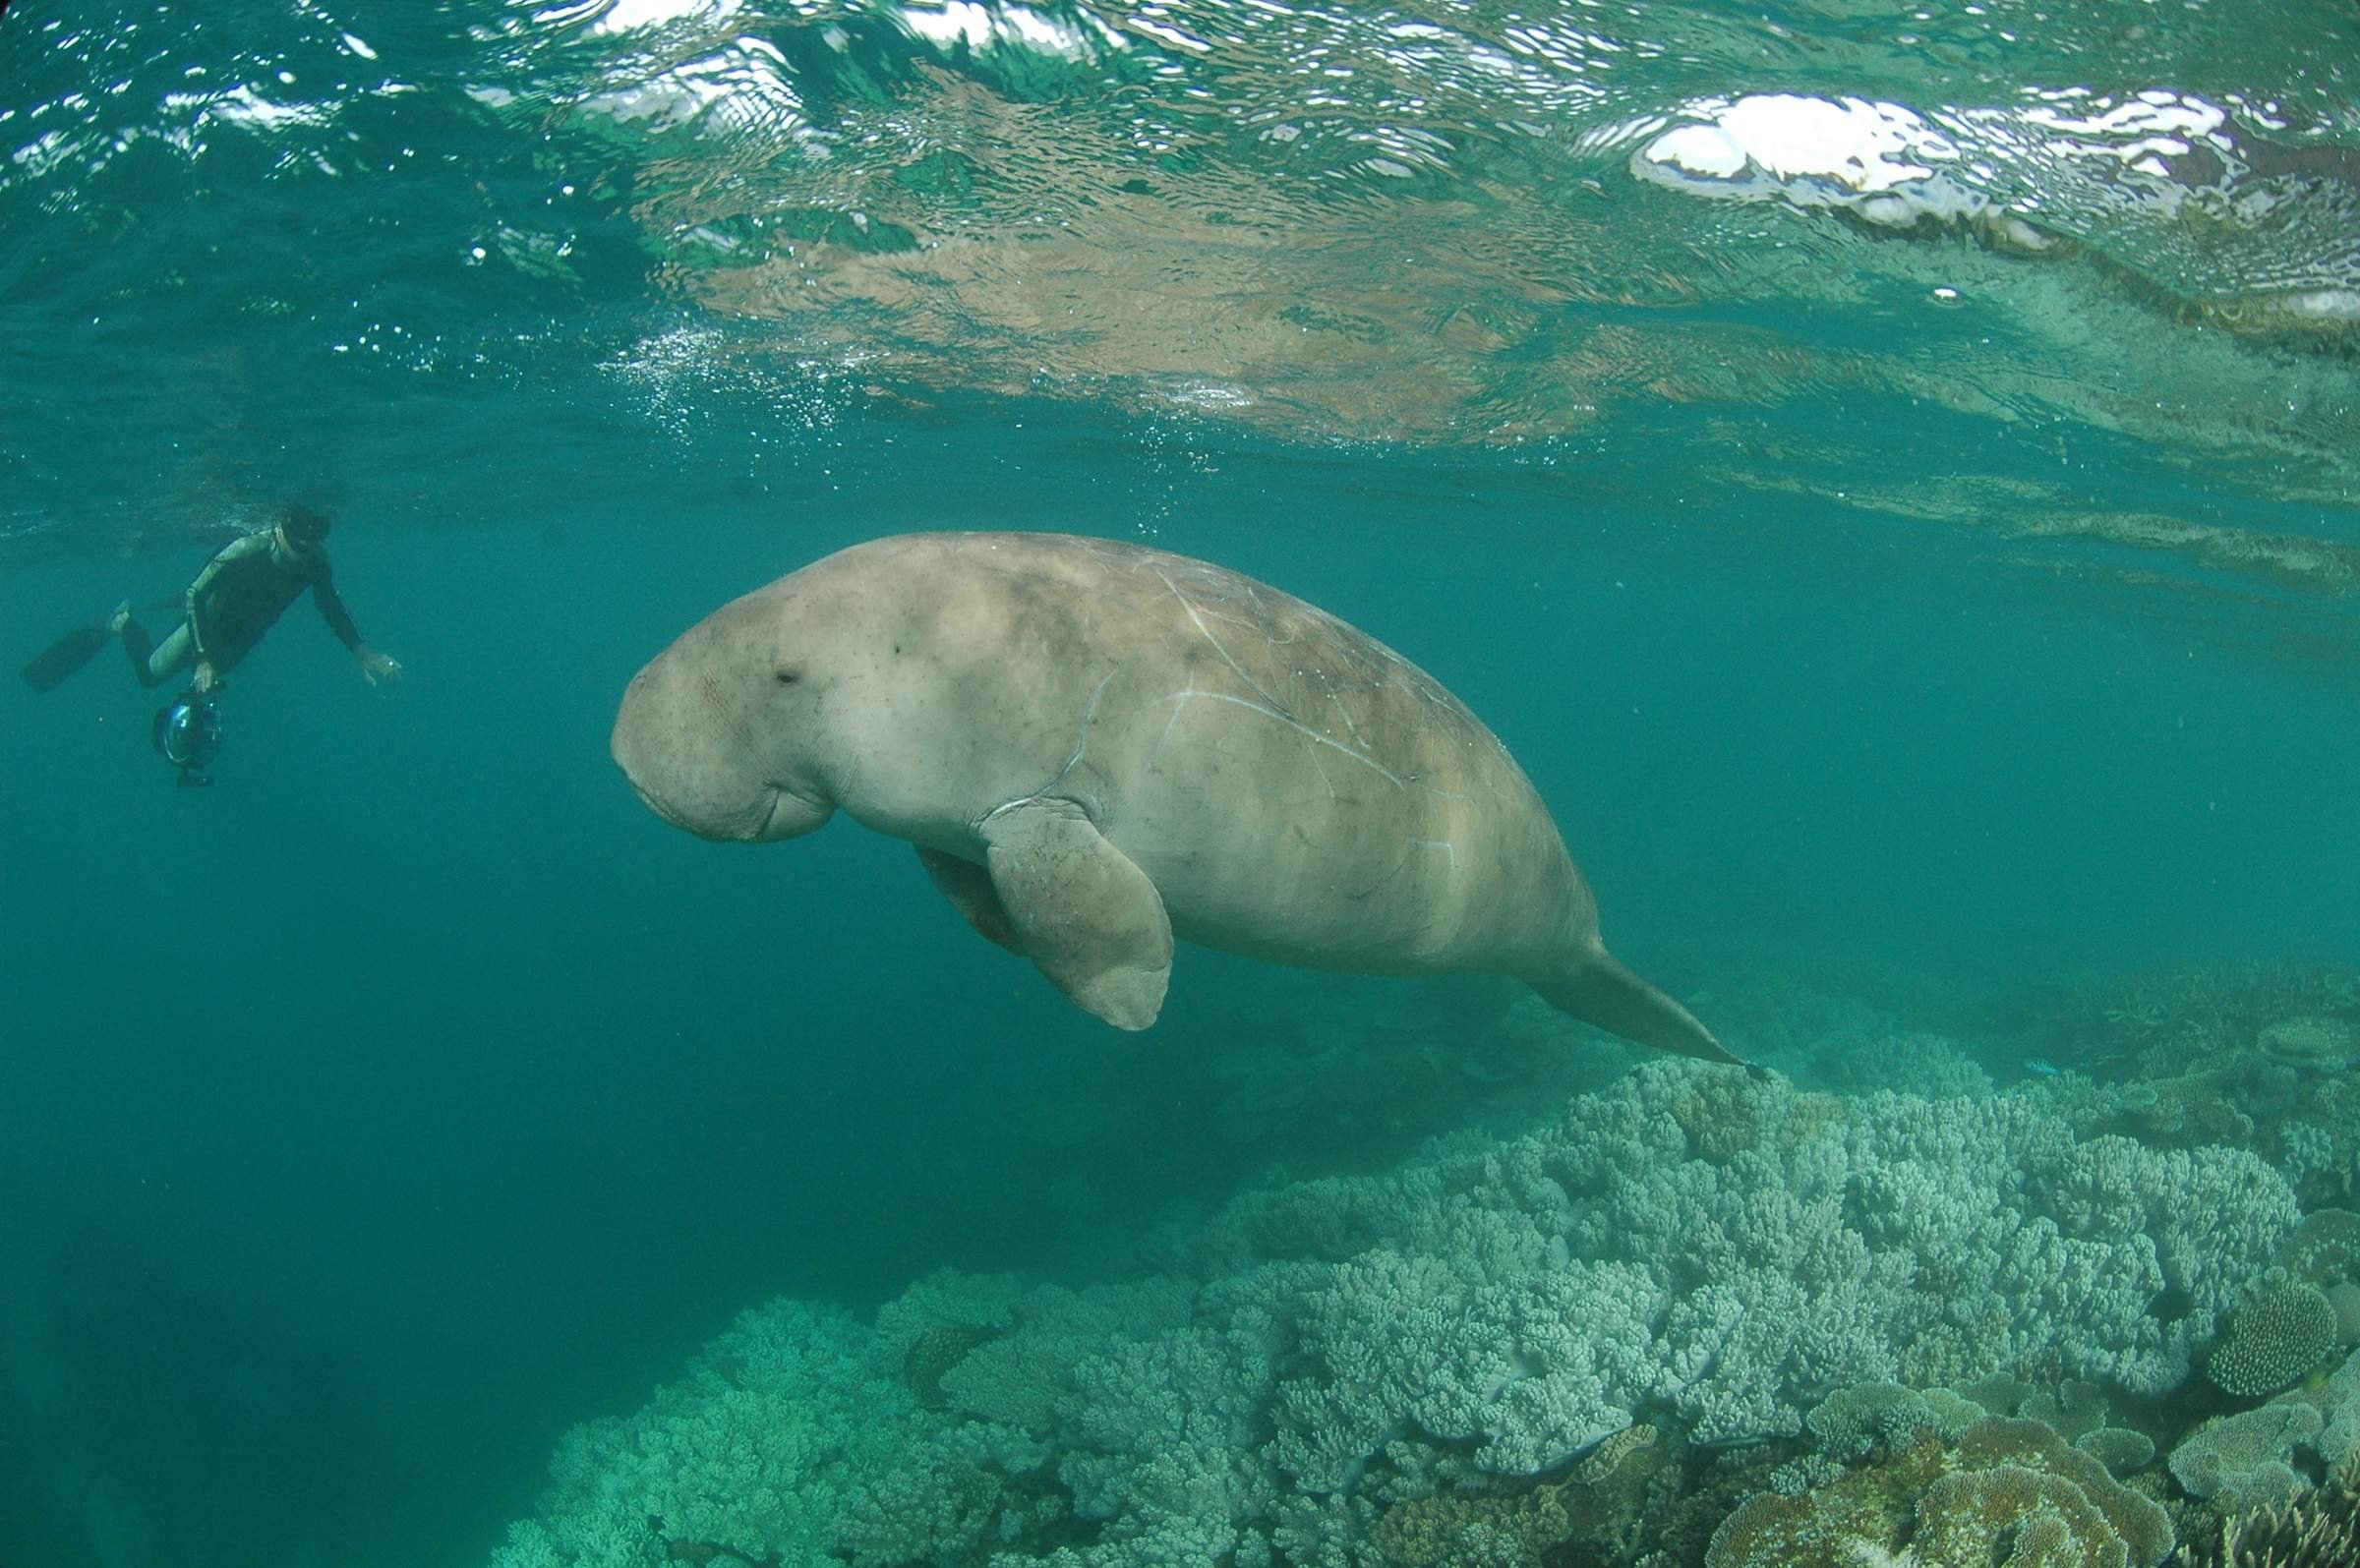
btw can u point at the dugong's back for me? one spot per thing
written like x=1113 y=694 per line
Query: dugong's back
x=1293 y=787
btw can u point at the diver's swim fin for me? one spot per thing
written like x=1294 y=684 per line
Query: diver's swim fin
x=65 y=655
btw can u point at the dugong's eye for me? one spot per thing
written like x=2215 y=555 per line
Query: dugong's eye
x=788 y=678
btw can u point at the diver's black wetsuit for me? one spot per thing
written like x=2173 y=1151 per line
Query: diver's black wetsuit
x=239 y=595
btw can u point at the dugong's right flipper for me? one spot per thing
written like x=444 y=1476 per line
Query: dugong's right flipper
x=1087 y=915
x=1601 y=990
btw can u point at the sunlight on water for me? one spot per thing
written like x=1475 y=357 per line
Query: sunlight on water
x=1468 y=227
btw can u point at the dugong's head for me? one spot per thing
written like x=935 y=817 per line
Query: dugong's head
x=721 y=735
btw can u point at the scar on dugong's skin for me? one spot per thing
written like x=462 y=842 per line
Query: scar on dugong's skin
x=1097 y=747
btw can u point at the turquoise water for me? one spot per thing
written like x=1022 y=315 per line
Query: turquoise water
x=1923 y=587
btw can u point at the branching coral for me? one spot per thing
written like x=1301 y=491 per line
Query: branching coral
x=1310 y=1365
x=763 y=1446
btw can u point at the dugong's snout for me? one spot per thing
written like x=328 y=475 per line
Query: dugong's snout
x=694 y=764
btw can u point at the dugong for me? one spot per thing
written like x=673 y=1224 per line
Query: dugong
x=1097 y=747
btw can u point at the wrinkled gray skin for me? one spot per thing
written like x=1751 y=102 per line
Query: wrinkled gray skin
x=1097 y=747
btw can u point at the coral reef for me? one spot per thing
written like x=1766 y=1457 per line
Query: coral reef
x=2274 y=1339
x=1596 y=1506
x=2311 y=1040
x=2318 y=1530
x=2009 y=1490
x=2073 y=1409
x=2324 y=1248
x=2246 y=1054
x=934 y=1354
x=1853 y=1421
x=765 y=1445
x=2120 y=1449
x=1688 y=1316
x=2246 y=1459
x=2270 y=1454
x=1352 y=1370
x=2169 y=1019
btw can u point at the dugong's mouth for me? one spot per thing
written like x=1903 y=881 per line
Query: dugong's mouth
x=760 y=822
x=652 y=802
x=770 y=816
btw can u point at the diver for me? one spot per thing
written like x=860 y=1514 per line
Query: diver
x=240 y=595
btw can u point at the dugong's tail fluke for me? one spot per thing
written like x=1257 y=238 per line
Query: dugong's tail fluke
x=1603 y=992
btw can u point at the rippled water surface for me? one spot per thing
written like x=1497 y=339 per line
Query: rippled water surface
x=2038 y=270
x=1891 y=471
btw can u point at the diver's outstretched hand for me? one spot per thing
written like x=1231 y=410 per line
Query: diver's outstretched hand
x=207 y=677
x=378 y=669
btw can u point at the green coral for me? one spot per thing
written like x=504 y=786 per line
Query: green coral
x=2273 y=1338
x=2001 y=1393
x=758 y=1451
x=2344 y=1297
x=2011 y=1493
x=924 y=1506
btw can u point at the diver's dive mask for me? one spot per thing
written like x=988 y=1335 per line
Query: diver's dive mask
x=188 y=734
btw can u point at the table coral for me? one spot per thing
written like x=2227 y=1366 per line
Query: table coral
x=2009 y=1491
x=2015 y=1518
x=2246 y=1455
x=2121 y=1449
x=2312 y=1040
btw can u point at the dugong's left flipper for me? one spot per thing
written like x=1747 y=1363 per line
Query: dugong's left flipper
x=1087 y=915
x=969 y=888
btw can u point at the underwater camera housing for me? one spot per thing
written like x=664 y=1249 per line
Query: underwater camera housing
x=187 y=733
